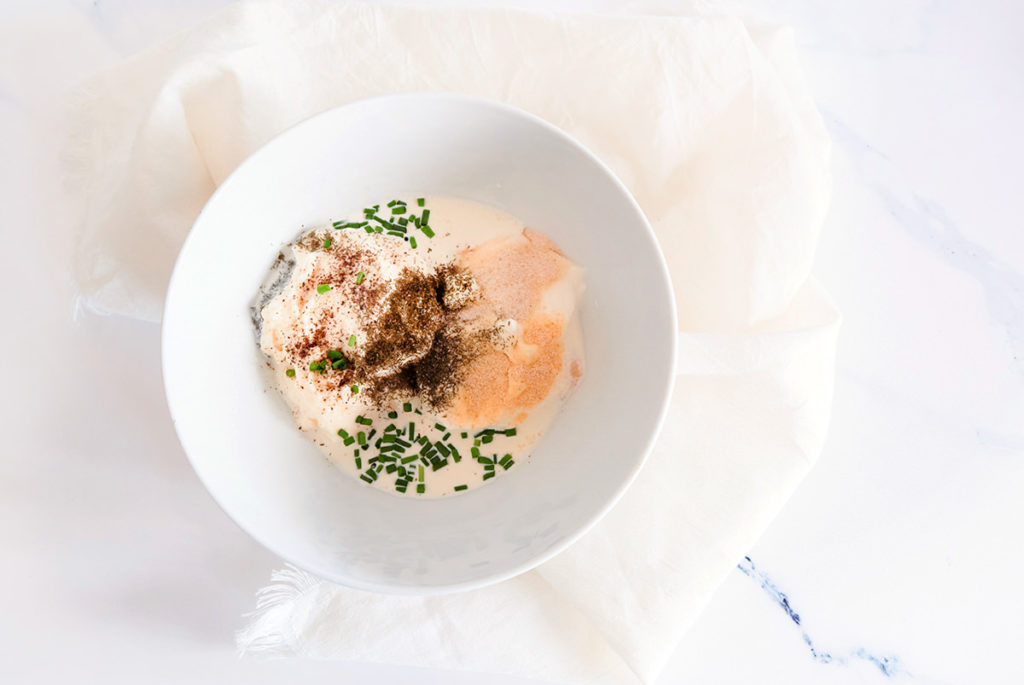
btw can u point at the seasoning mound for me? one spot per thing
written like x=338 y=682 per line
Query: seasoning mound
x=423 y=353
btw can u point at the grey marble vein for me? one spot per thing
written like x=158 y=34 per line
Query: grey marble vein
x=887 y=664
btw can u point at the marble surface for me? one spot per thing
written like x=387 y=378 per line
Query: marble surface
x=898 y=559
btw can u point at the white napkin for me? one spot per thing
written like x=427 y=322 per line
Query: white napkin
x=706 y=119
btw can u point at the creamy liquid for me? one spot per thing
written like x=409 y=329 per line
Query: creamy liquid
x=320 y=409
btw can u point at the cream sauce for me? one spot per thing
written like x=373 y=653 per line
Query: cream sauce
x=472 y=234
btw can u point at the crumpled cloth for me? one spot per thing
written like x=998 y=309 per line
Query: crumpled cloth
x=708 y=121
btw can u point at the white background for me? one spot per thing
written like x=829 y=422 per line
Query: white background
x=903 y=543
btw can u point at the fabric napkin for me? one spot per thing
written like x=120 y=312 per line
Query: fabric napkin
x=705 y=117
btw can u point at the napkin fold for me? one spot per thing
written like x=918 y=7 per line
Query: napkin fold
x=705 y=117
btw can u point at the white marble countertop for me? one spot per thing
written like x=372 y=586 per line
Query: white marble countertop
x=897 y=560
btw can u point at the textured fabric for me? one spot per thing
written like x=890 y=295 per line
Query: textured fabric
x=706 y=119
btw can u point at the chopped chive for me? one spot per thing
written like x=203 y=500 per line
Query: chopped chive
x=465 y=434
x=352 y=340
x=441 y=448
x=407 y=406
x=355 y=388
x=412 y=243
x=427 y=231
x=361 y=437
x=379 y=229
x=371 y=434
x=349 y=440
x=368 y=229
x=322 y=288
x=506 y=462
x=488 y=475
x=392 y=415
x=412 y=431
x=327 y=243
x=403 y=221
x=342 y=433
x=366 y=478
x=363 y=421
x=403 y=444
x=487 y=438
x=446 y=436
x=315 y=366
x=475 y=451
x=421 y=201
x=425 y=216
x=290 y=373
x=360 y=277
x=340 y=364
x=388 y=438
x=334 y=354
x=455 y=454
x=395 y=202
x=391 y=468
x=476 y=443
x=359 y=463
x=418 y=412
x=458 y=488
x=398 y=210
x=421 y=488
x=440 y=427
x=510 y=432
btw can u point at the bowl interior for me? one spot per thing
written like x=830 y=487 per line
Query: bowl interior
x=276 y=484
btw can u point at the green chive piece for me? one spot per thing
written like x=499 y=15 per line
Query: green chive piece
x=359 y=463
x=400 y=209
x=392 y=415
x=459 y=488
x=340 y=364
x=290 y=373
x=465 y=434
x=510 y=432
x=334 y=354
x=315 y=366
x=368 y=229
x=407 y=406
x=425 y=216
x=352 y=340
x=476 y=443
x=342 y=433
x=396 y=202
x=322 y=288
x=440 y=427
x=403 y=221
x=421 y=488
x=363 y=421
x=488 y=476
x=475 y=451
x=427 y=231
x=327 y=243
x=446 y=436
x=360 y=277
x=355 y=388
x=361 y=437
x=421 y=201
x=349 y=441
x=412 y=243
x=487 y=438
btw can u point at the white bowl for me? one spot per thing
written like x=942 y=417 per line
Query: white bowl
x=276 y=484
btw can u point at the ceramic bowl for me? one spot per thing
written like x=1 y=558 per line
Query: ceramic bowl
x=276 y=484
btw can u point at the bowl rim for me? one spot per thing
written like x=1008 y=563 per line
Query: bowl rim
x=600 y=512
